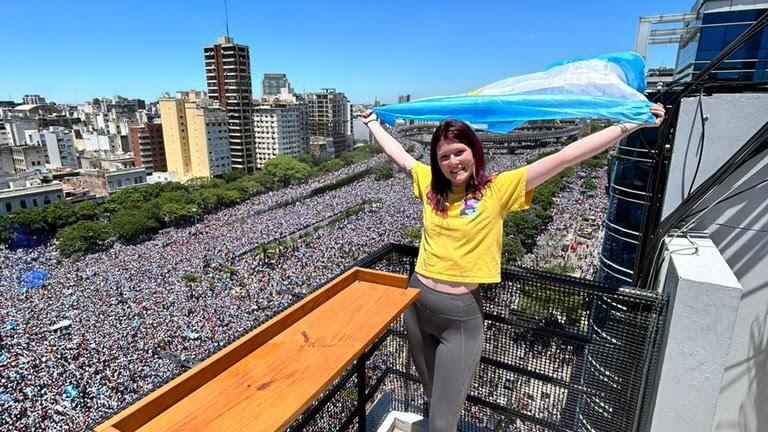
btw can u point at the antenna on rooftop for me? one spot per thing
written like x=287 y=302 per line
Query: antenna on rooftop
x=226 y=17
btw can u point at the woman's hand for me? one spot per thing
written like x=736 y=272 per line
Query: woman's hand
x=369 y=116
x=658 y=111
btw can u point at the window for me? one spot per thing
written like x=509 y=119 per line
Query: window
x=23 y=204
x=34 y=202
x=8 y=207
x=119 y=183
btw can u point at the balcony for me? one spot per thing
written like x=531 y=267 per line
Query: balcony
x=560 y=354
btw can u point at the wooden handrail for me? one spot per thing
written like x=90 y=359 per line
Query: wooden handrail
x=265 y=379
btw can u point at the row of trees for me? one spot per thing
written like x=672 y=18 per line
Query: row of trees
x=132 y=215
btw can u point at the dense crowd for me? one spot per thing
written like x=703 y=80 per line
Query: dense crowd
x=561 y=242
x=103 y=331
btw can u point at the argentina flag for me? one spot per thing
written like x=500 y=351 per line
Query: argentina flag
x=609 y=86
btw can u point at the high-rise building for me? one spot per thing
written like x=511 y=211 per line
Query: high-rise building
x=28 y=158
x=273 y=83
x=195 y=136
x=7 y=165
x=33 y=100
x=16 y=128
x=228 y=74
x=280 y=128
x=329 y=116
x=5 y=134
x=716 y=25
x=404 y=98
x=706 y=30
x=59 y=146
x=147 y=146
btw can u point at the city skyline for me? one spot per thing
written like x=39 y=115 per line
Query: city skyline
x=366 y=56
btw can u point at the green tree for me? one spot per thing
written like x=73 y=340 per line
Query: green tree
x=121 y=198
x=284 y=170
x=234 y=175
x=511 y=251
x=59 y=215
x=332 y=165
x=560 y=268
x=6 y=230
x=411 y=233
x=542 y=305
x=174 y=214
x=83 y=237
x=589 y=184
x=33 y=222
x=204 y=183
x=88 y=210
x=383 y=171
x=190 y=278
x=131 y=224
x=593 y=164
x=209 y=200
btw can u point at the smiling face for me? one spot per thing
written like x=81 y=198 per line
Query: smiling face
x=456 y=161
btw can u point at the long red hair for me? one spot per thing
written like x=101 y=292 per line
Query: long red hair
x=441 y=185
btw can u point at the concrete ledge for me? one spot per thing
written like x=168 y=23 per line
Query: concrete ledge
x=704 y=301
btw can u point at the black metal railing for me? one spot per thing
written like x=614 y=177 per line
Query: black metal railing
x=560 y=354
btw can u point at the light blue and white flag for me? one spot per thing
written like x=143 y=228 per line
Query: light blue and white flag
x=609 y=86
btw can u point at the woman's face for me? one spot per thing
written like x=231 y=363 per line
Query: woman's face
x=456 y=161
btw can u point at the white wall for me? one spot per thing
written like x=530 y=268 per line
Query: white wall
x=739 y=227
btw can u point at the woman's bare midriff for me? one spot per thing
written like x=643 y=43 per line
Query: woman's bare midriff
x=447 y=286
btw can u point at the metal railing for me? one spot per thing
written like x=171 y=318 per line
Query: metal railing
x=560 y=354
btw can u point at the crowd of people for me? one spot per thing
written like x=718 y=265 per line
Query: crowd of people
x=563 y=244
x=105 y=330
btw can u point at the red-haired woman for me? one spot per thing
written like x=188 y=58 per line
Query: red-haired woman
x=463 y=215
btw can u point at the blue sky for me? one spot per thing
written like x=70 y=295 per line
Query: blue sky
x=71 y=51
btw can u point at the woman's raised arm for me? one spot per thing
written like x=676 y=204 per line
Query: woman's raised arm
x=547 y=167
x=389 y=145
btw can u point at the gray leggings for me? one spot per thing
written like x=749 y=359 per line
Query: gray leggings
x=445 y=336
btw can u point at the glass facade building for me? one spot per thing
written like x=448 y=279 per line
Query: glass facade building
x=714 y=27
x=627 y=204
x=714 y=30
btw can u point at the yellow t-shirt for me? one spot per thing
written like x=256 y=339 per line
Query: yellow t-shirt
x=465 y=244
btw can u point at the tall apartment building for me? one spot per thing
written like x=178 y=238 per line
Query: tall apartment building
x=195 y=136
x=280 y=128
x=330 y=116
x=272 y=83
x=33 y=100
x=147 y=147
x=228 y=74
x=59 y=145
x=404 y=98
x=5 y=134
x=28 y=158
x=16 y=127
x=7 y=165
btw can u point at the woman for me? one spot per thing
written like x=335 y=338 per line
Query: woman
x=463 y=214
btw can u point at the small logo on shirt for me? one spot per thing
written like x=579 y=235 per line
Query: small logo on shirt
x=470 y=207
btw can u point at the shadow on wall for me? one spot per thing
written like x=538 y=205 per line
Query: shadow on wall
x=752 y=413
x=739 y=227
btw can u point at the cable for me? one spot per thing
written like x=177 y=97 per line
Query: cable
x=726 y=198
x=741 y=227
x=700 y=147
x=755 y=145
x=656 y=241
